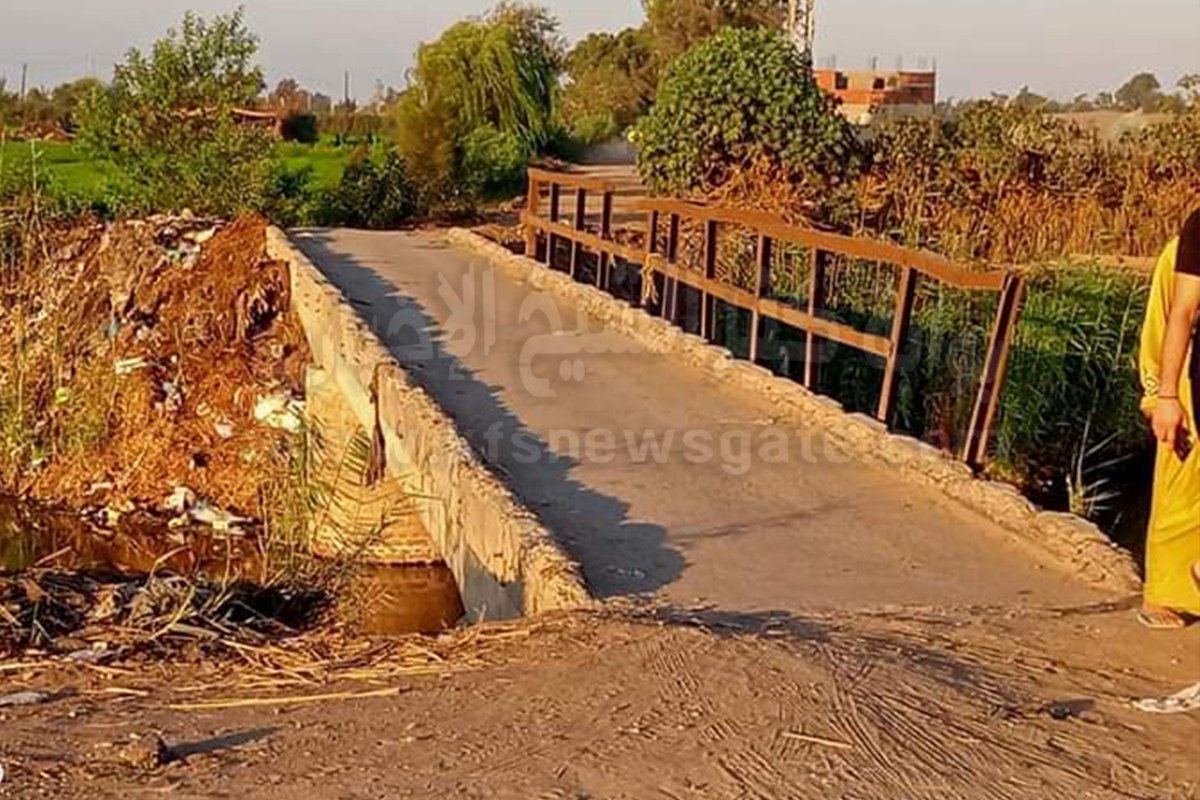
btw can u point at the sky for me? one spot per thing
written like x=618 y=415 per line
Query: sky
x=1059 y=48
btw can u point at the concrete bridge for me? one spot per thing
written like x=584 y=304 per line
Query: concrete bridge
x=532 y=416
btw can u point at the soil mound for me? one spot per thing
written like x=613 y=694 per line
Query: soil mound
x=138 y=354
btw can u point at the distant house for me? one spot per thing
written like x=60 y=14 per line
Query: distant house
x=269 y=121
x=869 y=94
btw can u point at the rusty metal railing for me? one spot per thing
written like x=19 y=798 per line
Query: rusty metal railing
x=662 y=262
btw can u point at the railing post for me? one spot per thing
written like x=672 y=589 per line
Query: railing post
x=816 y=302
x=533 y=206
x=707 y=302
x=580 y=215
x=671 y=286
x=555 y=202
x=604 y=268
x=900 y=324
x=762 y=282
x=651 y=251
x=983 y=419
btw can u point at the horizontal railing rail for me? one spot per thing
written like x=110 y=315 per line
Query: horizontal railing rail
x=661 y=263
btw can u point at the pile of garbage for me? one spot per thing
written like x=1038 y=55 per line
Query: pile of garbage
x=151 y=365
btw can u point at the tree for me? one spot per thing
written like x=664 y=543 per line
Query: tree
x=68 y=98
x=167 y=121
x=675 y=25
x=1027 y=100
x=1190 y=86
x=1081 y=103
x=8 y=104
x=609 y=76
x=744 y=98
x=500 y=71
x=1140 y=93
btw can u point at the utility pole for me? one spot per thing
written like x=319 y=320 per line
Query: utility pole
x=346 y=94
x=24 y=77
x=802 y=25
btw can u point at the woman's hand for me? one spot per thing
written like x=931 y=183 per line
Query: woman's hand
x=1168 y=422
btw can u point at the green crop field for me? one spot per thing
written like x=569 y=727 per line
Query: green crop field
x=327 y=161
x=59 y=163
x=65 y=169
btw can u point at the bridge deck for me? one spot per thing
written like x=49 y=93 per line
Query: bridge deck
x=813 y=532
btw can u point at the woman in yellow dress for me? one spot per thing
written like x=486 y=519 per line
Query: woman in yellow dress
x=1172 y=595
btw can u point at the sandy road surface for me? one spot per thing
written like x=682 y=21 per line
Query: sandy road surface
x=958 y=704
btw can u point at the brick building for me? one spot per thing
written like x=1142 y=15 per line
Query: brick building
x=868 y=94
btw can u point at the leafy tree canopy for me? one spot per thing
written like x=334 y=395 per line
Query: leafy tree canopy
x=1141 y=92
x=742 y=98
x=167 y=120
x=673 y=26
x=498 y=72
x=610 y=75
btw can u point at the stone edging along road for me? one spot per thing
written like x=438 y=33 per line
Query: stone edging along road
x=1064 y=539
x=506 y=563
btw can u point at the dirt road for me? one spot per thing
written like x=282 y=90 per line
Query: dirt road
x=961 y=704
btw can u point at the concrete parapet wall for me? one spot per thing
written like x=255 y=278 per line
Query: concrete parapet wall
x=363 y=516
x=1062 y=539
x=506 y=563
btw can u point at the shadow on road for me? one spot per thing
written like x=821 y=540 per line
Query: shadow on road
x=229 y=741
x=618 y=556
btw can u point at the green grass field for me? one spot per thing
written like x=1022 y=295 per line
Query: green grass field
x=326 y=161
x=70 y=171
x=61 y=164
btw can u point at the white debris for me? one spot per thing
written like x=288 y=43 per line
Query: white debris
x=280 y=410
x=173 y=396
x=200 y=237
x=125 y=366
x=220 y=520
x=1181 y=703
x=224 y=428
x=181 y=500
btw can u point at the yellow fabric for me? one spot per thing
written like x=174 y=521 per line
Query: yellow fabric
x=1173 y=540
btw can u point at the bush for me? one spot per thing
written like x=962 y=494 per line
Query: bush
x=291 y=200
x=742 y=97
x=1072 y=378
x=493 y=163
x=1012 y=185
x=166 y=123
x=301 y=126
x=594 y=130
x=374 y=193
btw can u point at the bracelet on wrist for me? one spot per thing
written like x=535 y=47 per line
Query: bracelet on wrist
x=1168 y=397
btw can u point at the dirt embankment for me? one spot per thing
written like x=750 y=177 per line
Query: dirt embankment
x=137 y=355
